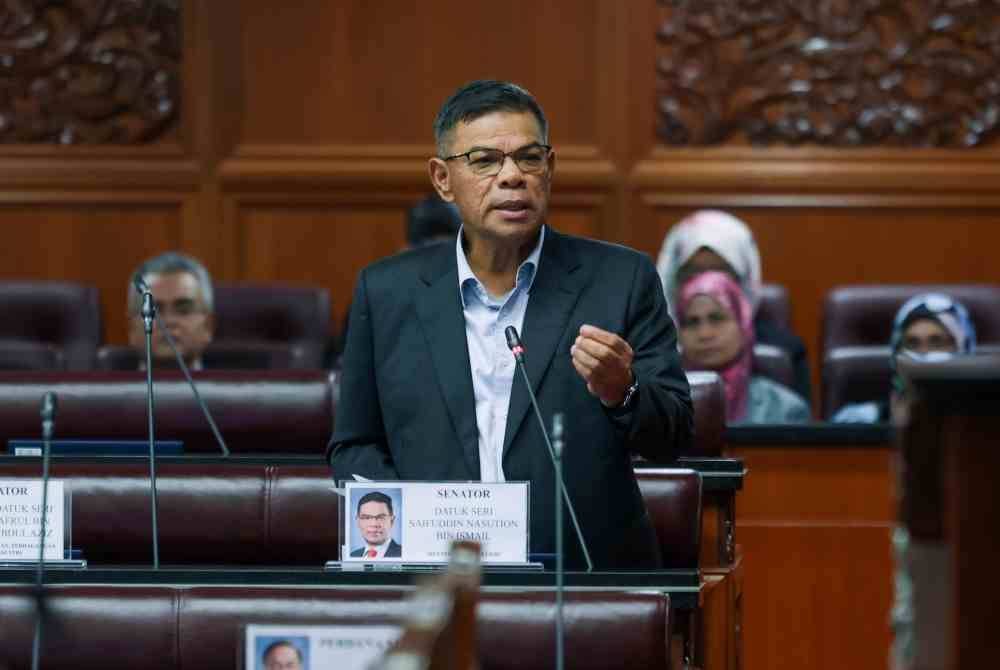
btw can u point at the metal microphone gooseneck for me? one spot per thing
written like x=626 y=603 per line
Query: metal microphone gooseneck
x=516 y=348
x=48 y=414
x=148 y=316
x=557 y=448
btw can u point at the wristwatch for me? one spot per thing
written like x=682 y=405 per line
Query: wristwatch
x=631 y=395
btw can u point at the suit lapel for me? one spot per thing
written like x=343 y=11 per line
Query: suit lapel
x=556 y=288
x=439 y=308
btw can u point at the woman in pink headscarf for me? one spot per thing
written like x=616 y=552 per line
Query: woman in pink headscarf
x=716 y=333
x=710 y=239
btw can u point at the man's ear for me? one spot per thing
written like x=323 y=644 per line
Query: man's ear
x=440 y=178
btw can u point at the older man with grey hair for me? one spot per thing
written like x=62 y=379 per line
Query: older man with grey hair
x=182 y=289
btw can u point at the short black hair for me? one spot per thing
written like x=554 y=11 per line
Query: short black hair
x=431 y=219
x=482 y=97
x=281 y=643
x=375 y=496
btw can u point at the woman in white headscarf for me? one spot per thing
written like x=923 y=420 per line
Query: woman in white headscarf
x=714 y=240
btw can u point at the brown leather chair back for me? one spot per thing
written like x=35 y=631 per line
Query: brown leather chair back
x=248 y=313
x=287 y=412
x=64 y=315
x=198 y=628
x=774 y=305
x=709 y=400
x=673 y=498
x=862 y=315
x=224 y=356
x=774 y=363
x=854 y=375
x=24 y=355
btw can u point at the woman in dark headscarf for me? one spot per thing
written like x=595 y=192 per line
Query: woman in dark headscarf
x=929 y=326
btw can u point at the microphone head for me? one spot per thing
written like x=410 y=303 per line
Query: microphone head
x=513 y=340
x=49 y=406
x=140 y=284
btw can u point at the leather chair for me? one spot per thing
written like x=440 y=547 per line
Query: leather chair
x=709 y=400
x=249 y=314
x=224 y=356
x=65 y=315
x=774 y=363
x=673 y=499
x=862 y=315
x=853 y=375
x=287 y=412
x=24 y=355
x=174 y=627
x=242 y=513
x=774 y=305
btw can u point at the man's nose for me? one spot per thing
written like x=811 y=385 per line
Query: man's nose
x=510 y=176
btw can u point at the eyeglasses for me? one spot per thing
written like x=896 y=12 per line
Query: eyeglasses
x=488 y=162
x=381 y=518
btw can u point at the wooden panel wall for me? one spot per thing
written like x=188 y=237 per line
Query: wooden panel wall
x=304 y=129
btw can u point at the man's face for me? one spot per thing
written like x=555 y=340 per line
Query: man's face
x=375 y=522
x=282 y=658
x=183 y=313
x=510 y=206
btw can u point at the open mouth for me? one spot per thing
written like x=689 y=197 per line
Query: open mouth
x=513 y=209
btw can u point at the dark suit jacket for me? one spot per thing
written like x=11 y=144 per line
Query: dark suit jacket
x=392 y=551
x=407 y=409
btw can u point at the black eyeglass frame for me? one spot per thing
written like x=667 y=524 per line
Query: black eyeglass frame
x=512 y=155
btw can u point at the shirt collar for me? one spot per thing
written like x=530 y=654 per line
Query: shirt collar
x=526 y=272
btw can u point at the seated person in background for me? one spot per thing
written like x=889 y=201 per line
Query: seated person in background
x=182 y=289
x=714 y=240
x=926 y=325
x=716 y=333
x=432 y=220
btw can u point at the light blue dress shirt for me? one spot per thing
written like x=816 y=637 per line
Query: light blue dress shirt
x=492 y=363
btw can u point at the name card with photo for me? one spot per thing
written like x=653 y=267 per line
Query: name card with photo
x=345 y=647
x=21 y=519
x=416 y=522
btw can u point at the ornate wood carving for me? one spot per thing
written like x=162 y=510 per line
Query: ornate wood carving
x=88 y=71
x=832 y=72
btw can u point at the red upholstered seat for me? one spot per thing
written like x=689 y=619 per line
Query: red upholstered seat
x=170 y=628
x=774 y=305
x=63 y=315
x=248 y=314
x=264 y=411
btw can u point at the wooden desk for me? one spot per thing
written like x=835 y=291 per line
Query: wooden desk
x=814 y=524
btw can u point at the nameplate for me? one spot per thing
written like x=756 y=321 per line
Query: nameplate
x=21 y=519
x=416 y=522
x=303 y=647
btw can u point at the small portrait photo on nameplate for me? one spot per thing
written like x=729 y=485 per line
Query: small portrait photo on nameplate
x=305 y=647
x=21 y=519
x=416 y=522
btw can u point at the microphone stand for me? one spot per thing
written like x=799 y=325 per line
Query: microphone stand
x=48 y=427
x=557 y=448
x=194 y=388
x=148 y=315
x=516 y=348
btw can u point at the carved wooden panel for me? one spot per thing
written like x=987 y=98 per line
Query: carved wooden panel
x=831 y=72
x=88 y=71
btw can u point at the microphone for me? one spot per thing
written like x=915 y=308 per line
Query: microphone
x=516 y=348
x=143 y=289
x=148 y=315
x=557 y=449
x=48 y=414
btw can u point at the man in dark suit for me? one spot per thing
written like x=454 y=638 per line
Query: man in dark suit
x=429 y=389
x=375 y=521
